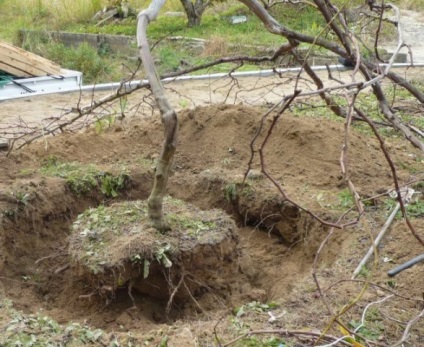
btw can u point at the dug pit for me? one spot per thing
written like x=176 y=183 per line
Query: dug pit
x=44 y=267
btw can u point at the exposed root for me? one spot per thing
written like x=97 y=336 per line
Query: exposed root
x=174 y=292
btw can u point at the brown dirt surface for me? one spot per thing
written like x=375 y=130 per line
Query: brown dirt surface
x=272 y=287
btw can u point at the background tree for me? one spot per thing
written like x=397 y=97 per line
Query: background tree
x=194 y=10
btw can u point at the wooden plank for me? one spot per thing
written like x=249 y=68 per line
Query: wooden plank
x=28 y=67
x=25 y=63
x=30 y=63
x=13 y=71
x=30 y=58
x=20 y=54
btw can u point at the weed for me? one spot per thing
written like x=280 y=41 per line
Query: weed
x=193 y=227
x=226 y=162
x=136 y=259
x=164 y=342
x=419 y=185
x=84 y=58
x=265 y=342
x=37 y=331
x=26 y=172
x=254 y=306
x=22 y=198
x=161 y=257
x=183 y=103
x=346 y=198
x=9 y=213
x=104 y=123
x=391 y=283
x=82 y=179
x=364 y=272
x=232 y=191
x=215 y=47
x=415 y=209
x=111 y=185
x=370 y=331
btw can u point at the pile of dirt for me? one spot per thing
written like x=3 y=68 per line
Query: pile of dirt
x=270 y=261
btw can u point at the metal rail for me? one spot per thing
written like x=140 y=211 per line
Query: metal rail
x=33 y=82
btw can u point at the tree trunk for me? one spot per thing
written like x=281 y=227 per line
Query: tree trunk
x=194 y=11
x=169 y=118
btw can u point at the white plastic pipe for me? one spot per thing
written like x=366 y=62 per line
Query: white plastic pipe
x=132 y=84
x=256 y=73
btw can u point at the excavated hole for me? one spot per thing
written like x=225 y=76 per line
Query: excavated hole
x=113 y=269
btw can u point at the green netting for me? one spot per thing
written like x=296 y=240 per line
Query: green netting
x=5 y=78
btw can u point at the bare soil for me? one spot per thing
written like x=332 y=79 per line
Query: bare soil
x=277 y=241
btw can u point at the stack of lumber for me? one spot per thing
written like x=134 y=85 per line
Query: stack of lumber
x=21 y=63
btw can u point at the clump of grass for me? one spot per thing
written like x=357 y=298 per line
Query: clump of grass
x=346 y=199
x=415 y=209
x=84 y=58
x=82 y=179
x=233 y=190
x=55 y=12
x=216 y=47
x=38 y=330
x=410 y=4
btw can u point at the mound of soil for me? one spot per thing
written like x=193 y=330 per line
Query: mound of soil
x=116 y=246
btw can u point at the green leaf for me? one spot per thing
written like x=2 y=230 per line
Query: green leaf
x=165 y=261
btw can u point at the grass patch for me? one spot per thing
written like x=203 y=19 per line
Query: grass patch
x=82 y=179
x=415 y=209
x=96 y=65
x=258 y=342
x=99 y=66
x=38 y=331
x=233 y=190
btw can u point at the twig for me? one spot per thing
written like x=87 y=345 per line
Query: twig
x=366 y=309
x=373 y=285
x=376 y=241
x=394 y=174
x=408 y=328
x=284 y=332
x=54 y=255
x=18 y=281
x=62 y=268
